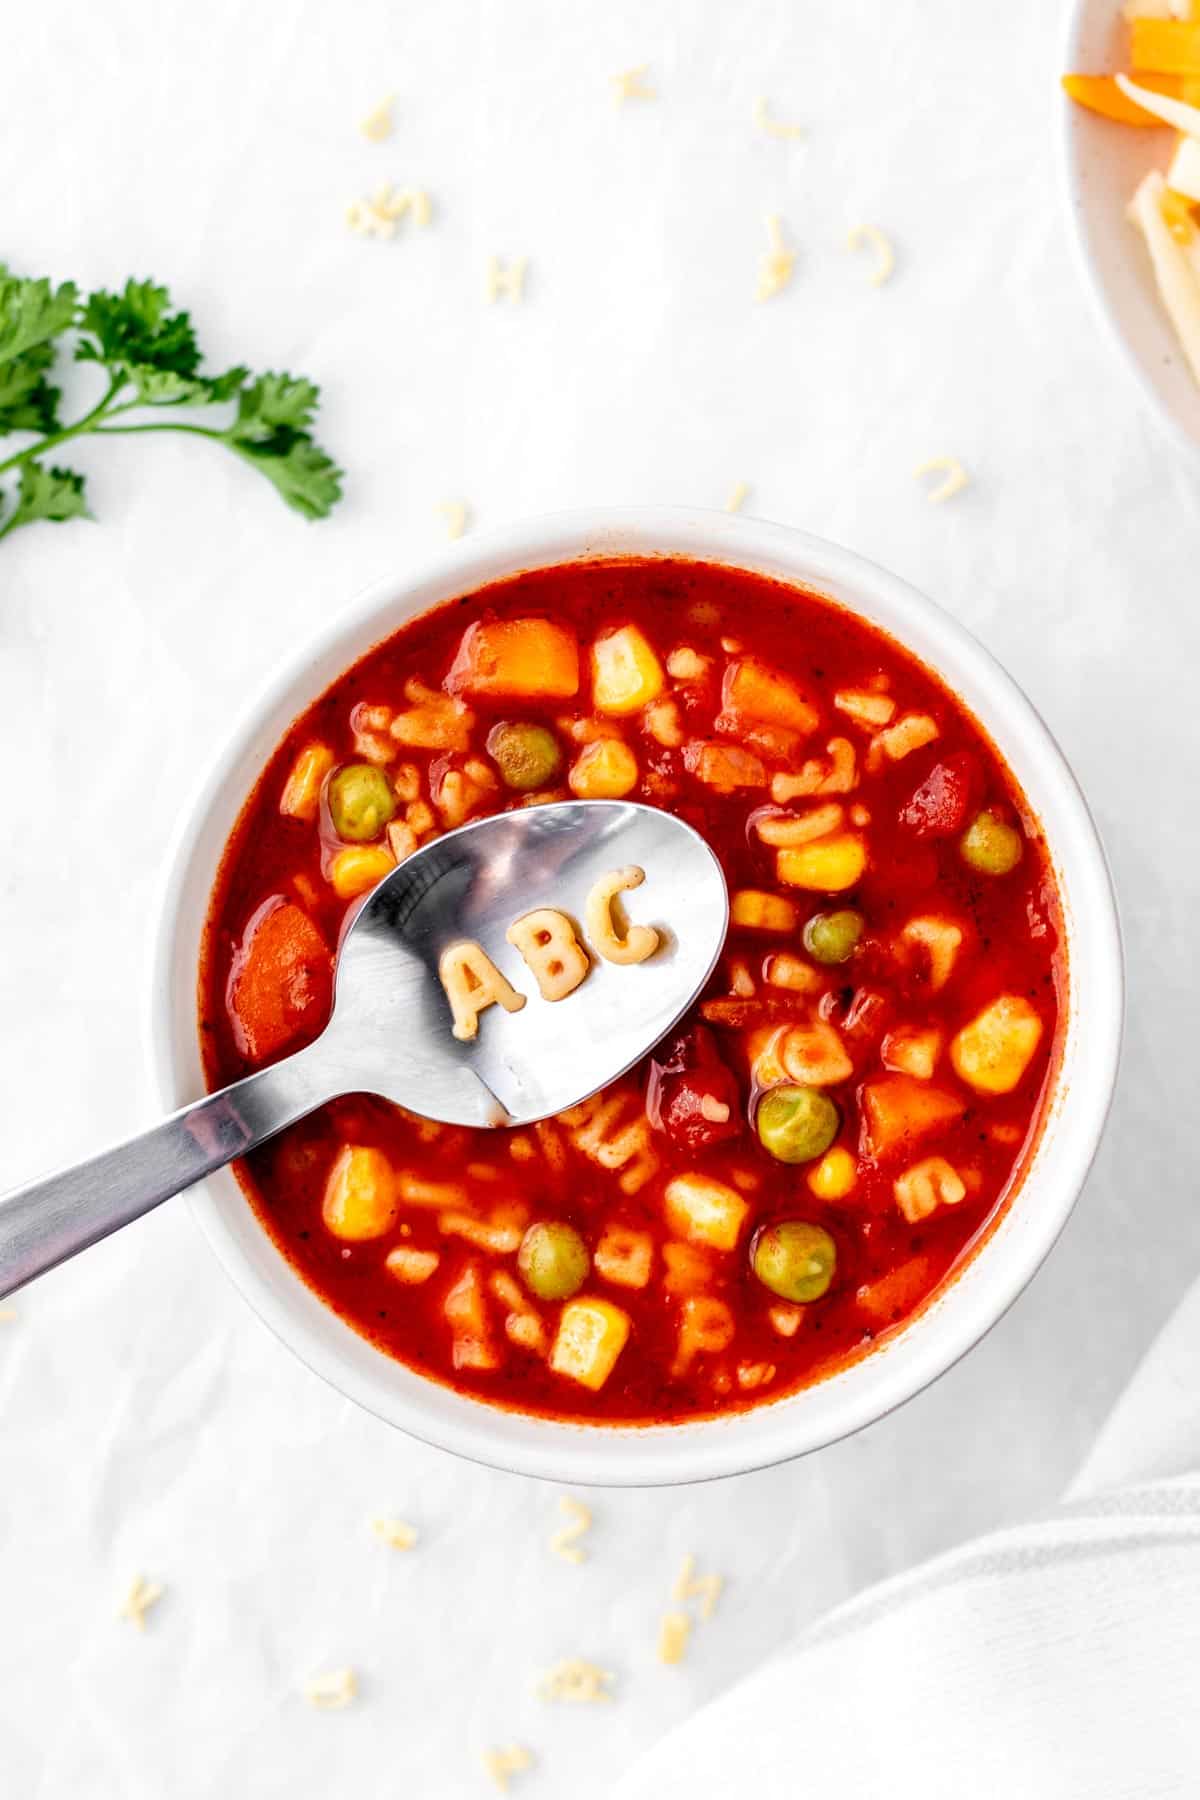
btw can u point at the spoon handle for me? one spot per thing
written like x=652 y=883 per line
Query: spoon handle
x=52 y=1219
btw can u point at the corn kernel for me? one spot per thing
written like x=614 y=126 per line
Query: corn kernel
x=827 y=867
x=835 y=1175
x=302 y=790
x=752 y=910
x=607 y=770
x=705 y=1211
x=591 y=1335
x=994 y=1050
x=360 y=1194
x=626 y=674
x=355 y=870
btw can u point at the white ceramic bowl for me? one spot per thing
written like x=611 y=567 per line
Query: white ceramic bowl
x=645 y=1455
x=1100 y=165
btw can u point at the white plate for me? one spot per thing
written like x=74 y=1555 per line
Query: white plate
x=1101 y=164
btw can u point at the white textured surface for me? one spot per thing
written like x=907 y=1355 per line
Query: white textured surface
x=148 y=1422
x=1055 y=1658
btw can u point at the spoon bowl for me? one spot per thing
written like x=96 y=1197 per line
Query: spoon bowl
x=391 y=1019
x=393 y=1030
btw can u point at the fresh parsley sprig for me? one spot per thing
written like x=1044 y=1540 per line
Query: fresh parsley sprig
x=153 y=366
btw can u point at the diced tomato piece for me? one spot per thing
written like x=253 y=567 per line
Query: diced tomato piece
x=940 y=805
x=693 y=1095
x=281 y=982
x=516 y=658
x=898 y=1109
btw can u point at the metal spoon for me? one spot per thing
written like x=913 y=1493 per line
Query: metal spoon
x=390 y=1032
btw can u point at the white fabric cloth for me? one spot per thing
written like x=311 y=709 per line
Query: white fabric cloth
x=147 y=1422
x=1059 y=1660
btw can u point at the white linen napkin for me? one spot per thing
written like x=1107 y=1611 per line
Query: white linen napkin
x=1059 y=1660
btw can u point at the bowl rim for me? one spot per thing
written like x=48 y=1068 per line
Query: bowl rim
x=899 y=1368
x=1103 y=306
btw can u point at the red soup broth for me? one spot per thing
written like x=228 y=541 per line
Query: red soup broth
x=888 y=1010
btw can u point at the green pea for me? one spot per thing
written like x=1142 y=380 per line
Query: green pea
x=796 y=1124
x=361 y=802
x=795 y=1260
x=833 y=937
x=527 y=756
x=991 y=846
x=553 y=1260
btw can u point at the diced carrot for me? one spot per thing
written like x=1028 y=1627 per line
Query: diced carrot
x=1166 y=46
x=886 y=1301
x=516 y=658
x=753 y=691
x=1100 y=94
x=281 y=981
x=898 y=1109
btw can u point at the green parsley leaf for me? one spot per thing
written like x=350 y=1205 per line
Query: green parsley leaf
x=153 y=362
x=51 y=494
x=274 y=404
x=27 y=400
x=135 y=329
x=32 y=313
x=271 y=431
x=308 y=480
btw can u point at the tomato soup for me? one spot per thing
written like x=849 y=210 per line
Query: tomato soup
x=822 y=1141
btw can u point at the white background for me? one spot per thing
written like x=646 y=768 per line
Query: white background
x=149 y=1423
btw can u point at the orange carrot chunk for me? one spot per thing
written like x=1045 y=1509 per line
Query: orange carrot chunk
x=1166 y=47
x=897 y=1109
x=753 y=692
x=516 y=658
x=1100 y=94
x=281 y=981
